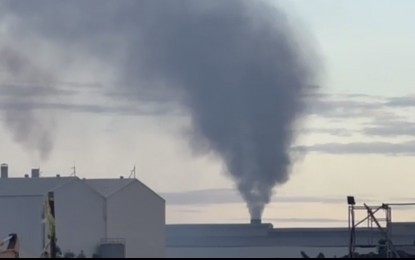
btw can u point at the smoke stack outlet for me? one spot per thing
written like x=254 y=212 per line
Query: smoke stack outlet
x=35 y=173
x=256 y=221
x=4 y=171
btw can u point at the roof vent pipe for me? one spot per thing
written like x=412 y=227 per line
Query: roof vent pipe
x=4 y=170
x=35 y=173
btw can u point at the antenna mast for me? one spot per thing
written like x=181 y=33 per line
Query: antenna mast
x=132 y=173
x=73 y=170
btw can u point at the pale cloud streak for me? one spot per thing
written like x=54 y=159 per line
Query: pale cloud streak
x=386 y=148
x=228 y=196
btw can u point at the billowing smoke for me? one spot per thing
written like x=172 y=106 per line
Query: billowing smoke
x=31 y=127
x=234 y=66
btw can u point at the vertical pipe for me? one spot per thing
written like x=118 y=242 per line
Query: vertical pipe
x=4 y=170
x=51 y=201
x=43 y=234
x=353 y=232
x=106 y=219
x=351 y=219
x=389 y=229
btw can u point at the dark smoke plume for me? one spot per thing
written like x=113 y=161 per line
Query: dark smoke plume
x=235 y=66
x=34 y=129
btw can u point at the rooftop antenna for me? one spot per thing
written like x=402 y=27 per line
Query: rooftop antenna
x=73 y=170
x=132 y=173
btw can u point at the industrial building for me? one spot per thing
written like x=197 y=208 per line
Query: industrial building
x=98 y=217
x=370 y=233
x=265 y=241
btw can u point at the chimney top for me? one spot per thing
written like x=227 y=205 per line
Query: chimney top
x=256 y=221
x=36 y=173
x=4 y=171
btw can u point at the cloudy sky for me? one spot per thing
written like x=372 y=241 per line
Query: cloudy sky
x=356 y=137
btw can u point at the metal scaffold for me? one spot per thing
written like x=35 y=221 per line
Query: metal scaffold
x=376 y=218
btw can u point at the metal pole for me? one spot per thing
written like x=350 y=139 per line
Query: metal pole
x=351 y=219
x=51 y=201
x=388 y=228
x=353 y=231
x=350 y=231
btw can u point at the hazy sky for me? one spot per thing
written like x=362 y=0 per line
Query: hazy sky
x=358 y=135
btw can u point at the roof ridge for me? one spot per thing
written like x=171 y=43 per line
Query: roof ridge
x=121 y=182
x=124 y=184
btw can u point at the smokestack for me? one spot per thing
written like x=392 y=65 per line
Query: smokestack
x=4 y=170
x=256 y=221
x=35 y=173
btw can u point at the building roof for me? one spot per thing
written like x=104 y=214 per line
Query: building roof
x=40 y=186
x=31 y=186
x=107 y=187
x=262 y=235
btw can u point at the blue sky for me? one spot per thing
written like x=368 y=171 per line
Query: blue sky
x=358 y=136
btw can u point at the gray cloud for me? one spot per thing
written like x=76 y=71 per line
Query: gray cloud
x=124 y=110
x=227 y=196
x=347 y=107
x=202 y=197
x=358 y=105
x=391 y=128
x=305 y=220
x=331 y=131
x=383 y=122
x=189 y=211
x=384 y=114
x=15 y=90
x=403 y=148
x=405 y=101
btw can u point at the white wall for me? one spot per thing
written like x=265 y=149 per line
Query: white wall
x=80 y=213
x=137 y=215
x=23 y=215
x=84 y=217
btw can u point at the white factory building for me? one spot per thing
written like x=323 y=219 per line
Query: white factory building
x=118 y=217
